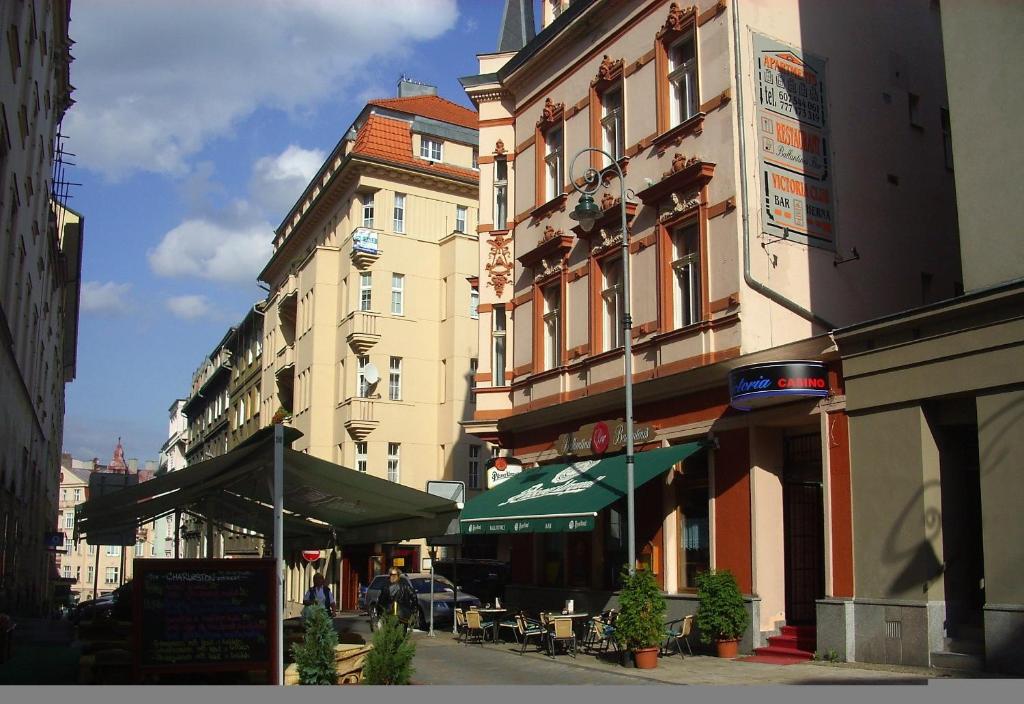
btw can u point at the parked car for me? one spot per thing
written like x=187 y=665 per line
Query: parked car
x=117 y=605
x=444 y=598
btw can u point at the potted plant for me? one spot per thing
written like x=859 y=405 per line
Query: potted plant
x=641 y=622
x=314 y=657
x=390 y=661
x=721 y=614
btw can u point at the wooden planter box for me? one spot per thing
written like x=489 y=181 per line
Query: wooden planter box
x=348 y=663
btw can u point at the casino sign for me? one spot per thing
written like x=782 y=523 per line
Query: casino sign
x=759 y=385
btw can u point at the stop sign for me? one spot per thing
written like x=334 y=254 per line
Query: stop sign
x=310 y=555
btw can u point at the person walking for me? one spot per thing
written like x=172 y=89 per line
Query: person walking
x=319 y=594
x=397 y=599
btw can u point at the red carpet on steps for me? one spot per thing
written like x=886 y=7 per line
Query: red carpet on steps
x=795 y=644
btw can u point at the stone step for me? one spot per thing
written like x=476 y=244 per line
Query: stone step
x=793 y=642
x=781 y=651
x=946 y=660
x=970 y=646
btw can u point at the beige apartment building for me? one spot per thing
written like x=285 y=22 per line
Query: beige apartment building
x=95 y=570
x=787 y=173
x=369 y=330
x=40 y=269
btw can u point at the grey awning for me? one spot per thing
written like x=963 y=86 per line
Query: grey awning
x=320 y=499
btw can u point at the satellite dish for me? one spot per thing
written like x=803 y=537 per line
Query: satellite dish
x=371 y=374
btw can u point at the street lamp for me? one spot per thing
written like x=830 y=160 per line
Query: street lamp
x=587 y=213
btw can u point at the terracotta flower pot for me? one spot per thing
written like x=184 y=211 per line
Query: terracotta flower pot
x=727 y=648
x=646 y=658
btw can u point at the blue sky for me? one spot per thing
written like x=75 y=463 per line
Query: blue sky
x=196 y=125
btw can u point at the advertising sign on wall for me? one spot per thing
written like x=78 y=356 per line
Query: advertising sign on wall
x=758 y=385
x=793 y=146
x=364 y=240
x=501 y=469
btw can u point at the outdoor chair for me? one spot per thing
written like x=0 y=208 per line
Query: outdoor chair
x=529 y=629
x=562 y=632
x=674 y=634
x=597 y=638
x=509 y=623
x=460 y=624
x=476 y=627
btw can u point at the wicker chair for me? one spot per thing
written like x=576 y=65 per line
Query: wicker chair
x=476 y=627
x=674 y=635
x=529 y=629
x=460 y=624
x=562 y=632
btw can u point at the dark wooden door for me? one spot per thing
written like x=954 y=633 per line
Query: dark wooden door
x=803 y=525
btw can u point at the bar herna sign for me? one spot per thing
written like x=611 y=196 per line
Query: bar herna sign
x=600 y=438
x=792 y=138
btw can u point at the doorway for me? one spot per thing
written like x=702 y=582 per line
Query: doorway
x=803 y=527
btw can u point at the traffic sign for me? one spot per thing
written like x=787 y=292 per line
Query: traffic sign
x=310 y=555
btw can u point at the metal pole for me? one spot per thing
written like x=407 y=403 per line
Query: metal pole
x=433 y=555
x=592 y=181
x=124 y=562
x=455 y=583
x=177 y=533
x=96 y=575
x=279 y=542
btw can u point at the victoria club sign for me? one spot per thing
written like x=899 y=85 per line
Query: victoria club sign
x=759 y=385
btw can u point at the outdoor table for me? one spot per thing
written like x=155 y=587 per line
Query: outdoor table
x=497 y=621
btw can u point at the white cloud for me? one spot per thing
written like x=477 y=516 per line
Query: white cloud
x=205 y=249
x=277 y=181
x=174 y=75
x=190 y=307
x=109 y=297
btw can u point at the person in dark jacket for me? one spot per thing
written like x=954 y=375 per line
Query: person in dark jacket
x=398 y=598
x=320 y=594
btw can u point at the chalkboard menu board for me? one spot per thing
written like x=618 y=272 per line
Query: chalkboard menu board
x=204 y=615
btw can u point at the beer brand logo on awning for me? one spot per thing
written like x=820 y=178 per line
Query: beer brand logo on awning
x=602 y=437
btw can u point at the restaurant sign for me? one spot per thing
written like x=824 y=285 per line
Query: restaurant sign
x=543 y=524
x=758 y=385
x=595 y=439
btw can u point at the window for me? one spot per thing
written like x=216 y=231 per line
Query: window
x=694 y=533
x=67 y=571
x=90 y=574
x=78 y=495
x=552 y=326
x=474 y=303
x=612 y=294
x=682 y=79
x=63 y=494
x=686 y=284
x=914 y=110
x=365 y=291
x=947 y=138
x=500 y=193
x=397 y=294
x=368 y=210
x=362 y=460
x=399 y=212
x=69 y=520
x=113 y=551
x=430 y=149
x=612 y=125
x=474 y=364
x=92 y=549
x=460 y=218
x=498 y=339
x=361 y=382
x=112 y=575
x=395 y=379
x=476 y=158
x=394 y=449
x=473 y=476
x=554 y=163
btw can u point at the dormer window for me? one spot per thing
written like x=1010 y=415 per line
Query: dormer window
x=430 y=149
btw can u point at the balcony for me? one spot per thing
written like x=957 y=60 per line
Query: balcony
x=360 y=417
x=365 y=250
x=362 y=330
x=285 y=359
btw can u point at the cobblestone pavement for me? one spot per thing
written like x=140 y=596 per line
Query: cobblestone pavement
x=441 y=660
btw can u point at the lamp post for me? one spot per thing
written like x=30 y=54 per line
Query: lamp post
x=587 y=213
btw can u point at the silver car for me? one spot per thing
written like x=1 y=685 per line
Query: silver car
x=444 y=599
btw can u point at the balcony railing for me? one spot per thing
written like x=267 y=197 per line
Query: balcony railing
x=360 y=417
x=362 y=331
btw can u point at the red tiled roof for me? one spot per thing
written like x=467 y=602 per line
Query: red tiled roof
x=431 y=106
x=391 y=140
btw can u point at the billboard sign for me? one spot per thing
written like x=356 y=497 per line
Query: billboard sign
x=793 y=143
x=364 y=240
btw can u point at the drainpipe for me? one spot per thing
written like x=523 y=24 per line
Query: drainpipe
x=747 y=276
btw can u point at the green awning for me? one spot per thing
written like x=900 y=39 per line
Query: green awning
x=563 y=498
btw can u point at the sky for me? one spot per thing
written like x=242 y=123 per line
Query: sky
x=196 y=126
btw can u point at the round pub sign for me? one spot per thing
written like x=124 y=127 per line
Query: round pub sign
x=310 y=555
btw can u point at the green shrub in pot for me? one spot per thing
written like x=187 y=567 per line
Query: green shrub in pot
x=721 y=613
x=641 y=620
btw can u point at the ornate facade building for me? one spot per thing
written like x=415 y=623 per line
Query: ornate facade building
x=40 y=268
x=781 y=180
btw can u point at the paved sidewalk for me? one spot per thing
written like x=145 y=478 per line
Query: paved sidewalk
x=443 y=661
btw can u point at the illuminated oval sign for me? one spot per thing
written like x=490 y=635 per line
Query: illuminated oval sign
x=758 y=385
x=500 y=469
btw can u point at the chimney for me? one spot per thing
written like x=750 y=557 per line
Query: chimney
x=408 y=88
